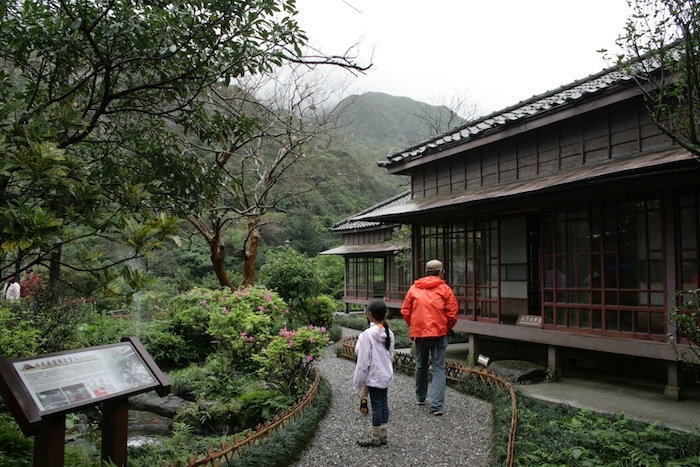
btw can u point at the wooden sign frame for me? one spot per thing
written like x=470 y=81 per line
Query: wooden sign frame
x=39 y=391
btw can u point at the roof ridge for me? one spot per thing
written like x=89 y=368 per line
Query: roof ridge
x=547 y=102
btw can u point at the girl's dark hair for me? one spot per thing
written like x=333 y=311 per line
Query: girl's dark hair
x=377 y=308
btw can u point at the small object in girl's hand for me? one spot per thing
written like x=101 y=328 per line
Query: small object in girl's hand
x=363 y=405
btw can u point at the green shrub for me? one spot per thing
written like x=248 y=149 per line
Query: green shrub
x=292 y=274
x=286 y=445
x=191 y=326
x=332 y=273
x=103 y=328
x=188 y=315
x=15 y=448
x=262 y=405
x=19 y=336
x=166 y=347
x=319 y=311
x=211 y=379
x=28 y=330
x=335 y=333
x=352 y=321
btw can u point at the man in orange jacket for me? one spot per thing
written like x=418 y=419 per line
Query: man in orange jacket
x=430 y=310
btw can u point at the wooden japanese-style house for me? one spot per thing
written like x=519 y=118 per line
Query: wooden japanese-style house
x=566 y=223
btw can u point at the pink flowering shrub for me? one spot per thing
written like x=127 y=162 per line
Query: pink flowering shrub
x=243 y=323
x=251 y=327
x=286 y=361
x=202 y=321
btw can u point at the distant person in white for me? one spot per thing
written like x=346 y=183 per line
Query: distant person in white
x=11 y=290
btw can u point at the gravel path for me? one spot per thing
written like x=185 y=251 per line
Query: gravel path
x=461 y=437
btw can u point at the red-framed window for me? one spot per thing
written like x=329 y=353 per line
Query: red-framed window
x=688 y=252
x=364 y=277
x=603 y=267
x=470 y=252
x=688 y=240
x=398 y=280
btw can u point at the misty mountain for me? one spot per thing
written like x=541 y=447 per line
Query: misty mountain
x=374 y=125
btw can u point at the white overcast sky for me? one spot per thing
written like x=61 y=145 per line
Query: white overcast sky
x=496 y=52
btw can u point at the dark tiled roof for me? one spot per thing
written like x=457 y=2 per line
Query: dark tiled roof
x=350 y=224
x=535 y=106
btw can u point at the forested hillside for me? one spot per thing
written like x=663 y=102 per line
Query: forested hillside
x=376 y=124
x=370 y=127
x=339 y=179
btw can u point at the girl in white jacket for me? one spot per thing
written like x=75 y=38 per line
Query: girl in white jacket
x=374 y=370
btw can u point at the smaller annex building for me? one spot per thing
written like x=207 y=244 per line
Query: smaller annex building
x=567 y=223
x=371 y=269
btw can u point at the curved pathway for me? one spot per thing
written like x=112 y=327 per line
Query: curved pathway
x=461 y=437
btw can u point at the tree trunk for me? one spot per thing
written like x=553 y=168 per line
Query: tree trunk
x=250 y=252
x=218 y=257
x=217 y=248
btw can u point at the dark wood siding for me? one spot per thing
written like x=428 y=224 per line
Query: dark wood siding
x=367 y=237
x=591 y=138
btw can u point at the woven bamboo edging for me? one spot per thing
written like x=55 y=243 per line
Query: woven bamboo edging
x=455 y=372
x=253 y=437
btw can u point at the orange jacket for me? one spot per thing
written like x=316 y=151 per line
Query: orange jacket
x=430 y=308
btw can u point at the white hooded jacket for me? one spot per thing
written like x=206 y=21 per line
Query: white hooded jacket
x=374 y=365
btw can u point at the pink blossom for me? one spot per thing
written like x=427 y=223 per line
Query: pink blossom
x=286 y=311
x=290 y=344
x=323 y=329
x=261 y=308
x=309 y=358
x=311 y=340
x=268 y=298
x=311 y=327
x=225 y=311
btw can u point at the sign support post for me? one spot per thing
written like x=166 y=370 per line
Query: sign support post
x=115 y=417
x=49 y=443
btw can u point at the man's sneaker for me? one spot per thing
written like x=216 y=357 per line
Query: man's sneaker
x=420 y=402
x=437 y=413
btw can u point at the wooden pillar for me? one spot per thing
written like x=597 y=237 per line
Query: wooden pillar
x=473 y=349
x=554 y=358
x=50 y=442
x=674 y=385
x=115 y=418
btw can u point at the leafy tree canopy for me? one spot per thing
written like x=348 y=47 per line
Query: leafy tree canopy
x=95 y=98
x=661 y=50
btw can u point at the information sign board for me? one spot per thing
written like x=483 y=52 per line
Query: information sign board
x=88 y=375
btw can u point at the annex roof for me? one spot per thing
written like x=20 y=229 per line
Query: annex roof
x=350 y=223
x=363 y=249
